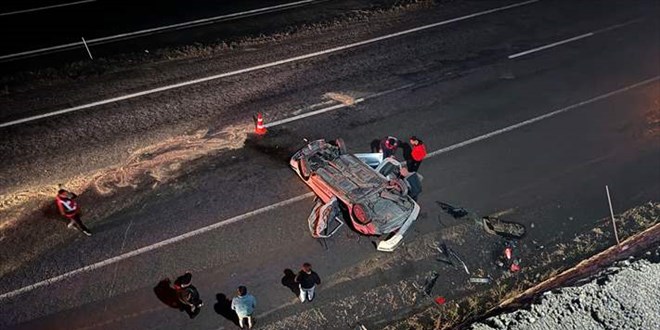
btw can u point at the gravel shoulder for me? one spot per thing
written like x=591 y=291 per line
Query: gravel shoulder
x=591 y=290
x=624 y=296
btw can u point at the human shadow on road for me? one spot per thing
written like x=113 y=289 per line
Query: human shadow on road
x=375 y=145
x=223 y=307
x=289 y=281
x=167 y=294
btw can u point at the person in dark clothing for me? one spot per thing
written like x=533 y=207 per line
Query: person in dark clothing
x=307 y=279
x=188 y=295
x=69 y=209
x=388 y=146
x=417 y=154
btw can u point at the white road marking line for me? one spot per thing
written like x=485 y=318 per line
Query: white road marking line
x=145 y=32
x=262 y=66
x=45 y=7
x=565 y=41
x=310 y=107
x=539 y=118
x=301 y=197
x=335 y=107
x=554 y=44
x=155 y=246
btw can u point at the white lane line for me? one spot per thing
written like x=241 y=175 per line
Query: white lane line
x=565 y=41
x=262 y=66
x=554 y=44
x=545 y=116
x=154 y=246
x=160 y=29
x=335 y=107
x=45 y=7
x=302 y=197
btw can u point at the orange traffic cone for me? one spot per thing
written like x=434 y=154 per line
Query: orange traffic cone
x=260 y=129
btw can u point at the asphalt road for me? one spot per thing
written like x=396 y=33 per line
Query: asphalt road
x=551 y=172
x=52 y=36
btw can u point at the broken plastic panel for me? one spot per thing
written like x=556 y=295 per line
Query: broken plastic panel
x=325 y=219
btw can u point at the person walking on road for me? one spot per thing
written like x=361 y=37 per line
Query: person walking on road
x=243 y=304
x=69 y=209
x=388 y=146
x=417 y=154
x=307 y=279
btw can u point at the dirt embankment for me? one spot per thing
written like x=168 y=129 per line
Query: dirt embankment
x=563 y=265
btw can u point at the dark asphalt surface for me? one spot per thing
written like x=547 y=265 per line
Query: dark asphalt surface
x=102 y=18
x=551 y=173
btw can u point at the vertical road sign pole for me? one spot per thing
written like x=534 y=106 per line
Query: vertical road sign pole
x=86 y=47
x=609 y=201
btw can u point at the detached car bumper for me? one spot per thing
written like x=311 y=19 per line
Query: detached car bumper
x=393 y=242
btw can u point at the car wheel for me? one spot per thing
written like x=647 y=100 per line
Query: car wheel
x=360 y=214
x=399 y=186
x=341 y=145
x=303 y=169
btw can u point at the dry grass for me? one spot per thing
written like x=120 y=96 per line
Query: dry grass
x=582 y=246
x=131 y=61
x=161 y=163
x=598 y=232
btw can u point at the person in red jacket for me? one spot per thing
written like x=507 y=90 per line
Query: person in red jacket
x=417 y=154
x=69 y=209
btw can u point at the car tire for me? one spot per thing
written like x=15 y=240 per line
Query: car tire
x=360 y=214
x=303 y=169
x=400 y=186
x=341 y=145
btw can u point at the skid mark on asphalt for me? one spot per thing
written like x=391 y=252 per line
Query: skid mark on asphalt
x=163 y=161
x=157 y=163
x=114 y=276
x=265 y=209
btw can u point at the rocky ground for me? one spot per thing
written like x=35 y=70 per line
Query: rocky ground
x=595 y=293
x=624 y=296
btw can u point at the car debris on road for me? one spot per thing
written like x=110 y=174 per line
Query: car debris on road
x=450 y=257
x=491 y=225
x=428 y=285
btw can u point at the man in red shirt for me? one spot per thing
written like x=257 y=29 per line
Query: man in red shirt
x=417 y=154
x=69 y=209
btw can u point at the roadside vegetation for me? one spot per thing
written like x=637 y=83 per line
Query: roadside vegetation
x=562 y=258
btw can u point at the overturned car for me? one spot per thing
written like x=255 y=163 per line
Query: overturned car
x=377 y=201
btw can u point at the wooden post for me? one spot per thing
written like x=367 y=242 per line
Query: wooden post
x=86 y=47
x=609 y=201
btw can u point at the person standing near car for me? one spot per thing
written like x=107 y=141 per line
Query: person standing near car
x=388 y=146
x=417 y=154
x=69 y=209
x=243 y=304
x=188 y=295
x=307 y=279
